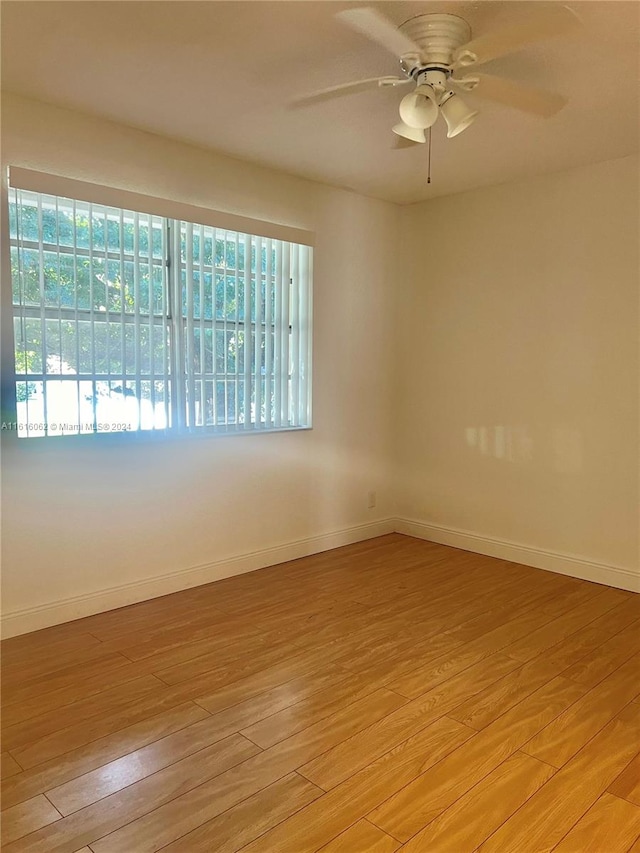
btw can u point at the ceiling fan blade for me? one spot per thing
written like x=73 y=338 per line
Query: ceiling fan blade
x=349 y=89
x=556 y=20
x=380 y=29
x=526 y=98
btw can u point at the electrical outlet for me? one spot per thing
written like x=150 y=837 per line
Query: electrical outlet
x=371 y=500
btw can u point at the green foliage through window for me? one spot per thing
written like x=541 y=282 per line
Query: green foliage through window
x=105 y=299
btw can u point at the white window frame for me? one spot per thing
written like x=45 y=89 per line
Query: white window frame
x=292 y=389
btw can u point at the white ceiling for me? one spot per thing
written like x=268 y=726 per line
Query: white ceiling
x=220 y=75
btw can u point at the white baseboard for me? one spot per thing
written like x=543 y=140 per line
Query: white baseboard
x=76 y=607
x=65 y=610
x=564 y=564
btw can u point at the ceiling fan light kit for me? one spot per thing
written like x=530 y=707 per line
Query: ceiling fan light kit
x=457 y=115
x=420 y=107
x=431 y=48
x=415 y=134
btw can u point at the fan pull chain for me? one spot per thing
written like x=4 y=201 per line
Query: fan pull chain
x=429 y=158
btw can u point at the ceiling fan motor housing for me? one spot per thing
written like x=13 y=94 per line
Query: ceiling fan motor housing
x=438 y=36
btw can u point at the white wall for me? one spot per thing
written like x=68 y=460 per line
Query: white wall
x=518 y=387
x=488 y=392
x=79 y=519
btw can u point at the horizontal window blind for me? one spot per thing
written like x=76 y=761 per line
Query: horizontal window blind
x=128 y=321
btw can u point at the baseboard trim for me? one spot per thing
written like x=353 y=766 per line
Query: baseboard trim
x=76 y=607
x=551 y=561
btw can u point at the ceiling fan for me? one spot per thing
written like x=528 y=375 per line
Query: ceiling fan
x=438 y=56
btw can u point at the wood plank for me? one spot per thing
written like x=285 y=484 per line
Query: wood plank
x=181 y=628
x=59 y=640
x=388 y=643
x=63 y=740
x=150 y=616
x=136 y=639
x=518 y=603
x=537 y=642
x=104 y=780
x=418 y=655
x=569 y=732
x=595 y=667
x=410 y=810
x=362 y=837
x=345 y=759
x=301 y=657
x=501 y=638
x=487 y=705
x=296 y=716
x=185 y=813
x=445 y=601
x=68 y=677
x=33 y=728
x=101 y=688
x=333 y=813
x=211 y=663
x=479 y=812
x=252 y=817
x=424 y=678
x=610 y=824
x=63 y=768
x=627 y=784
x=483 y=708
x=292 y=672
x=578 y=645
x=620 y=617
x=34 y=667
x=323 y=626
x=444 y=607
x=505 y=636
x=97 y=820
x=223 y=647
x=27 y=817
x=8 y=766
x=548 y=816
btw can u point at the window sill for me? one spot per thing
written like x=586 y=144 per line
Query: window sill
x=10 y=438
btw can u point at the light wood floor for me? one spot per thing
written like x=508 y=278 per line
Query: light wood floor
x=390 y=695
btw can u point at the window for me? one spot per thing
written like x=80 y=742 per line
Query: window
x=128 y=321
